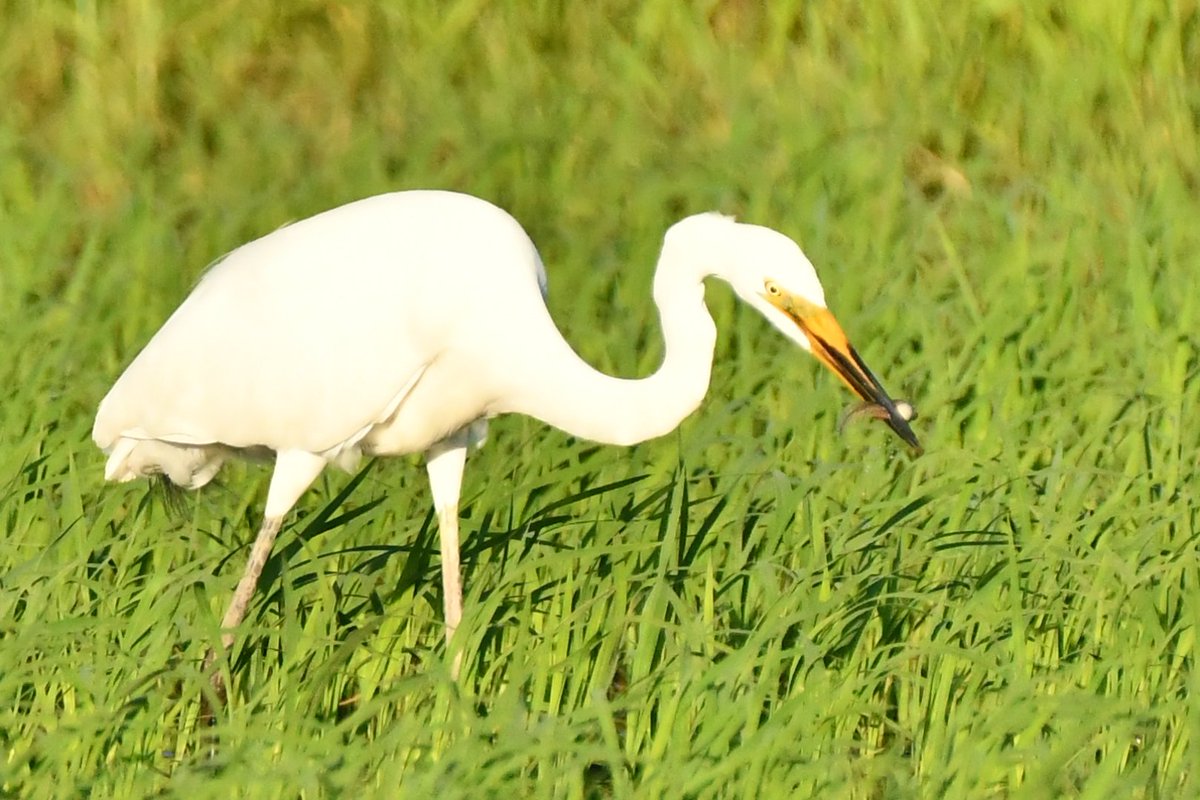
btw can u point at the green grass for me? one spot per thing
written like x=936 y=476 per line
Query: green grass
x=1002 y=201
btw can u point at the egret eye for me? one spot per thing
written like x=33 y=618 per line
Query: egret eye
x=772 y=288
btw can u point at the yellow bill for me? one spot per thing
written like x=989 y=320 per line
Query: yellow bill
x=833 y=349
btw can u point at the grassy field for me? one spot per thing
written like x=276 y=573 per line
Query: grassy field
x=1002 y=200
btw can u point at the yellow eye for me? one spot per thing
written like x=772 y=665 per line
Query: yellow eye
x=772 y=288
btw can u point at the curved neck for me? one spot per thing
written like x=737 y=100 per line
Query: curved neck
x=564 y=391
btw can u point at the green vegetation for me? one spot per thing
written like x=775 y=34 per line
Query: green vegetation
x=1001 y=199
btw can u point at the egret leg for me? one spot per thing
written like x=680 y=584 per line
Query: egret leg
x=444 y=463
x=295 y=470
x=259 y=553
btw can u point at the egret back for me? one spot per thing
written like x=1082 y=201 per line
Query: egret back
x=306 y=338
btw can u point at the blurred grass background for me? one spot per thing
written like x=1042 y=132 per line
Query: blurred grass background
x=1001 y=198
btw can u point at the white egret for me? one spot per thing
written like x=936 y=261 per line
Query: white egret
x=400 y=323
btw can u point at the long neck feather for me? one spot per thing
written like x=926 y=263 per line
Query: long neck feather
x=562 y=390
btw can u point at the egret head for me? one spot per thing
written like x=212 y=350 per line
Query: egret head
x=770 y=272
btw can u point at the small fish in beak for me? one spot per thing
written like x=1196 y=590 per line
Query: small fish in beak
x=876 y=411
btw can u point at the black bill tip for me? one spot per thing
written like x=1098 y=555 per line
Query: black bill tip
x=872 y=391
x=898 y=423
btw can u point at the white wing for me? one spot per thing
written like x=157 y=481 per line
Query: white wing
x=309 y=336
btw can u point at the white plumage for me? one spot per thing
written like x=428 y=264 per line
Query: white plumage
x=314 y=336
x=400 y=323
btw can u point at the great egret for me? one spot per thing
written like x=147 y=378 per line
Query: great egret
x=400 y=323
